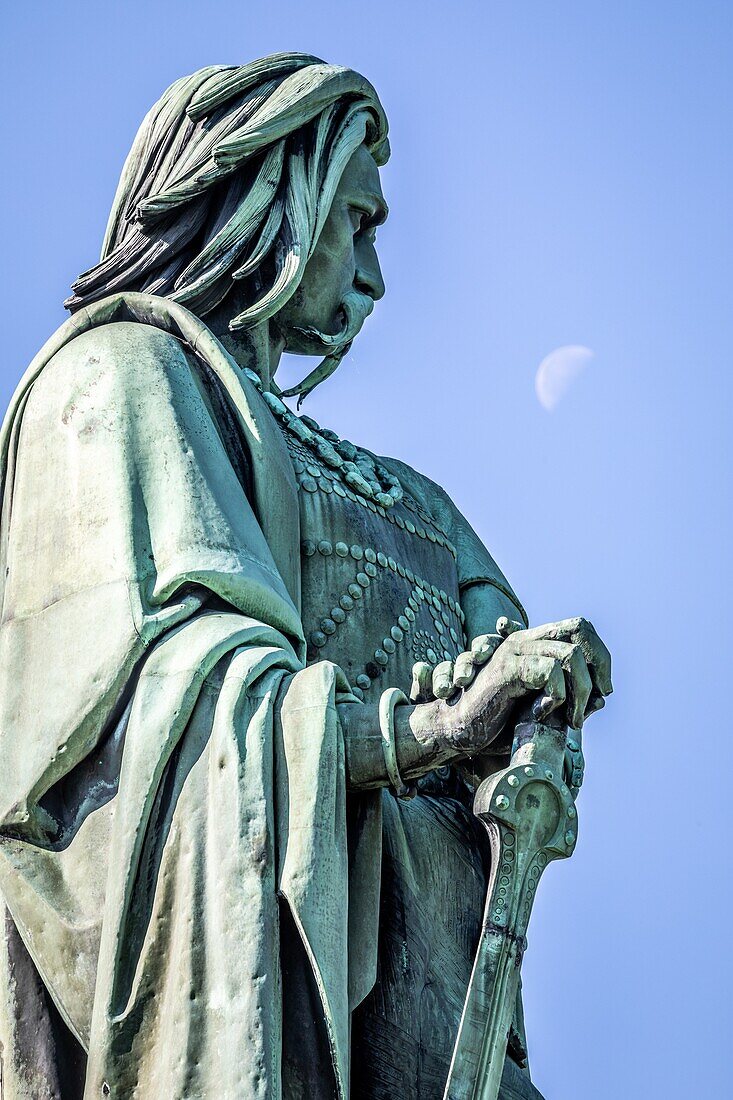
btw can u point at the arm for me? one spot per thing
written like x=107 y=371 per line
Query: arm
x=421 y=736
x=560 y=667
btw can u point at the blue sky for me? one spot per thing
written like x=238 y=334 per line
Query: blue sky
x=561 y=174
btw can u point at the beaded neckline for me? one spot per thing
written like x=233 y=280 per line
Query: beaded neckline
x=359 y=470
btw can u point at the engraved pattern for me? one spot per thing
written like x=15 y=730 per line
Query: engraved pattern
x=532 y=878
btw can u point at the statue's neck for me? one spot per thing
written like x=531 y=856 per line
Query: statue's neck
x=259 y=348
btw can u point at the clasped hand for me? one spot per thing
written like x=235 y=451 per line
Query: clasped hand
x=565 y=666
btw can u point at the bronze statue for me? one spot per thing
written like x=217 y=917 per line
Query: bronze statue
x=251 y=673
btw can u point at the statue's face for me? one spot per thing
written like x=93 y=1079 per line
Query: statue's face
x=344 y=259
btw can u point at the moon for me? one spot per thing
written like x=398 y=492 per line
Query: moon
x=557 y=370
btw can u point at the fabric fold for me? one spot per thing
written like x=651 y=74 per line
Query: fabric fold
x=170 y=767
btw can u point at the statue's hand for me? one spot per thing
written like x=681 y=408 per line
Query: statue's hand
x=565 y=665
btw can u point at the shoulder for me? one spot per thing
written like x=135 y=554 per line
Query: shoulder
x=428 y=493
x=425 y=491
x=475 y=564
x=122 y=350
x=122 y=364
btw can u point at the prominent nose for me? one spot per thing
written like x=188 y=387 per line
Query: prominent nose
x=368 y=276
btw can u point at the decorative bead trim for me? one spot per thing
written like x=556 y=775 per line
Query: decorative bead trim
x=370 y=479
x=435 y=599
x=375 y=557
x=425 y=647
x=313 y=478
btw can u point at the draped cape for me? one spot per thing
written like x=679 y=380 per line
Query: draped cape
x=169 y=767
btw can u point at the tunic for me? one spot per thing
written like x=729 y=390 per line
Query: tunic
x=379 y=591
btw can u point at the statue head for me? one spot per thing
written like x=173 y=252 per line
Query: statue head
x=254 y=190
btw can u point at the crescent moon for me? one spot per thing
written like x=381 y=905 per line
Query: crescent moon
x=557 y=370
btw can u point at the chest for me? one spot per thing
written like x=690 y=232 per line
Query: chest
x=379 y=587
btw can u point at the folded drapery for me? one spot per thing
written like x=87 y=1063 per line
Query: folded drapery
x=169 y=766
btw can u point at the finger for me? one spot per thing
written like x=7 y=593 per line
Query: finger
x=582 y=632
x=484 y=647
x=572 y=656
x=538 y=672
x=600 y=659
x=595 y=703
x=443 y=680
x=596 y=655
x=561 y=651
x=579 y=686
x=464 y=670
x=421 y=690
x=554 y=695
x=573 y=740
x=506 y=626
x=577 y=675
x=563 y=631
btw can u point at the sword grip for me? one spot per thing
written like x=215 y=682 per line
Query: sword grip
x=530 y=817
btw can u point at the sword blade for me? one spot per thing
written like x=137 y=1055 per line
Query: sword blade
x=530 y=817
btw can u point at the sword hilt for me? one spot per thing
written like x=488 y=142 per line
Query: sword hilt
x=530 y=816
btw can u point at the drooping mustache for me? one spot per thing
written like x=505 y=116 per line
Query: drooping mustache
x=355 y=308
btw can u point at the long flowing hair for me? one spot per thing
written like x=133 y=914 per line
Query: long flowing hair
x=231 y=177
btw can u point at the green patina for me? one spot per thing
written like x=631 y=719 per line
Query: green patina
x=283 y=761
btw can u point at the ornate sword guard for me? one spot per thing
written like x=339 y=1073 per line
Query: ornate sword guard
x=531 y=819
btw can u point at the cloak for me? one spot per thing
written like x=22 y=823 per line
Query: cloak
x=169 y=767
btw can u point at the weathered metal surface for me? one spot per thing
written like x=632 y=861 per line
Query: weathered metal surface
x=530 y=815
